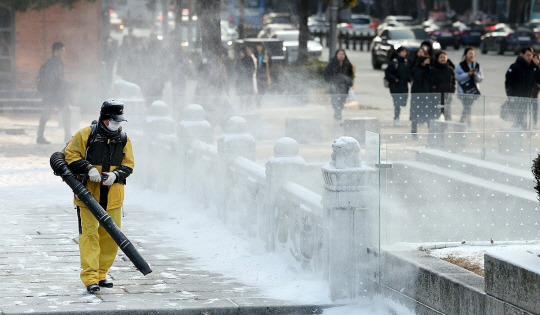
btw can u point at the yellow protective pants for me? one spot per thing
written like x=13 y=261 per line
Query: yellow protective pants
x=97 y=248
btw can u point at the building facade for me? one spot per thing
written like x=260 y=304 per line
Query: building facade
x=26 y=40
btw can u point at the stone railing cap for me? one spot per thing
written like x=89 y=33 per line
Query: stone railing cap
x=286 y=147
x=194 y=112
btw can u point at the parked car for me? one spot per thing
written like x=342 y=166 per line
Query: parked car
x=390 y=38
x=290 y=45
x=503 y=38
x=228 y=34
x=116 y=22
x=445 y=33
x=534 y=26
x=318 y=23
x=272 y=28
x=469 y=34
x=359 y=23
x=396 y=20
x=278 y=18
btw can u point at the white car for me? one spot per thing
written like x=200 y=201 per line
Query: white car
x=228 y=34
x=359 y=23
x=290 y=45
x=269 y=29
x=396 y=20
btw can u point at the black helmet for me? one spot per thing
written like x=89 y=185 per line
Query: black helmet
x=112 y=109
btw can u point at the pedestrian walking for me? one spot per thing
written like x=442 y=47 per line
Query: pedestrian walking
x=263 y=71
x=519 y=82
x=54 y=91
x=245 y=76
x=103 y=156
x=339 y=76
x=398 y=76
x=468 y=76
x=443 y=81
x=423 y=109
x=420 y=52
x=536 y=89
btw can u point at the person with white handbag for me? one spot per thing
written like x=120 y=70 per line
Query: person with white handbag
x=339 y=75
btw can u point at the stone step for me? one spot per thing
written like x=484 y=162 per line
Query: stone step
x=424 y=202
x=490 y=171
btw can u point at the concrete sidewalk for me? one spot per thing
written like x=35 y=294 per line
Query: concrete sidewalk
x=39 y=258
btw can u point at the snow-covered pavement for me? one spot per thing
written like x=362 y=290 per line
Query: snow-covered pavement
x=198 y=263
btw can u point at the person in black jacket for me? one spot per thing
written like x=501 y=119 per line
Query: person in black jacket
x=397 y=74
x=536 y=89
x=443 y=80
x=54 y=93
x=339 y=76
x=423 y=108
x=245 y=76
x=519 y=81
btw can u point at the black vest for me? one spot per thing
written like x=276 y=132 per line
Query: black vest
x=105 y=151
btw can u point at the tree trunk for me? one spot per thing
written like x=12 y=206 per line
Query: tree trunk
x=241 y=19
x=303 y=13
x=177 y=39
x=515 y=11
x=209 y=28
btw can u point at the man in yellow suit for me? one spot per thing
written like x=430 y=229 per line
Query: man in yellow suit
x=102 y=155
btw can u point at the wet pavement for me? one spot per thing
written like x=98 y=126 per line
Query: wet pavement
x=39 y=258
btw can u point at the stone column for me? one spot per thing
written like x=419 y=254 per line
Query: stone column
x=348 y=220
x=130 y=94
x=286 y=165
x=192 y=127
x=236 y=141
x=159 y=136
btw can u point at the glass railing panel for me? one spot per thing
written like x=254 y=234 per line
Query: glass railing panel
x=371 y=159
x=436 y=195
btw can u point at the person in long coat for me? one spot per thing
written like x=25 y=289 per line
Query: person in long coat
x=443 y=80
x=398 y=76
x=519 y=82
x=423 y=108
x=339 y=75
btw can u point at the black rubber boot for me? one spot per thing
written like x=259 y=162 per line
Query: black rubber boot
x=93 y=288
x=105 y=284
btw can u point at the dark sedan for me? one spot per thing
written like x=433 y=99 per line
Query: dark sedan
x=503 y=38
x=469 y=34
x=445 y=33
x=389 y=39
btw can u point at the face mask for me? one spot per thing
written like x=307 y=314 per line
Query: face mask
x=113 y=125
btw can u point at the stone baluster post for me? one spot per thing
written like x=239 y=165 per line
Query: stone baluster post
x=286 y=165
x=236 y=141
x=158 y=136
x=130 y=94
x=193 y=126
x=349 y=220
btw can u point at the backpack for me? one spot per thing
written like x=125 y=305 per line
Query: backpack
x=43 y=81
x=92 y=136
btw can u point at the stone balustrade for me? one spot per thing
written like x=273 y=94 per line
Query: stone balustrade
x=269 y=202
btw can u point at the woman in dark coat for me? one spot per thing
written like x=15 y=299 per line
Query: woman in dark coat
x=423 y=108
x=397 y=74
x=339 y=76
x=443 y=81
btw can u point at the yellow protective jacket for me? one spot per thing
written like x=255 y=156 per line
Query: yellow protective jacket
x=75 y=153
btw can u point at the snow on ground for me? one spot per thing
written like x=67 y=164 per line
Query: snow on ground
x=214 y=246
x=474 y=253
x=219 y=248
